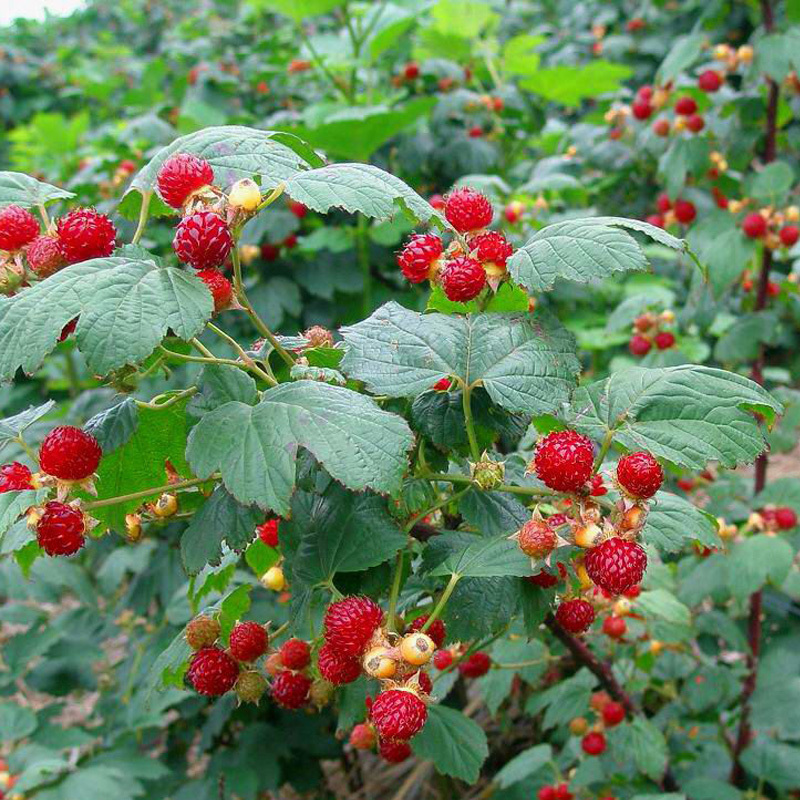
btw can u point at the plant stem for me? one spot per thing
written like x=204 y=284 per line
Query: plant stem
x=439 y=607
x=202 y=359
x=466 y=402
x=176 y=398
x=363 y=259
x=144 y=213
x=397 y=580
x=604 y=447
x=530 y=491
x=170 y=487
x=315 y=57
x=243 y=355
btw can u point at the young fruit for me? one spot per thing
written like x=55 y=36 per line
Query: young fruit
x=442 y=659
x=336 y=668
x=60 y=530
x=462 y=279
x=15 y=477
x=350 y=623
x=298 y=209
x=363 y=737
x=398 y=714
x=641 y=109
x=493 y=250
x=661 y=127
x=695 y=123
x=394 y=752
x=18 y=227
x=613 y=713
x=616 y=564
x=268 y=532
x=564 y=460
x=291 y=689
x=545 y=579
x=44 y=256
x=476 y=666
x=513 y=211
x=575 y=616
x=273 y=664
x=69 y=454
x=785 y=518
x=274 y=579
x=417 y=648
x=640 y=475
x=536 y=538
x=593 y=744
x=684 y=211
x=418 y=259
x=250 y=687
x=83 y=234
x=202 y=632
x=789 y=235
x=202 y=240
x=709 y=81
x=245 y=194
x=614 y=627
x=754 y=225
x=685 y=106
x=295 y=654
x=181 y=175
x=664 y=340
x=166 y=505
x=219 y=286
x=437 y=630
x=212 y=671
x=249 y=641
x=468 y=210
x=378 y=664
x=639 y=345
x=578 y=726
x=411 y=71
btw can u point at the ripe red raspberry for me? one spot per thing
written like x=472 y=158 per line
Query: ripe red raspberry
x=411 y=71
x=685 y=106
x=663 y=203
x=437 y=630
x=219 y=286
x=695 y=123
x=269 y=252
x=398 y=714
x=664 y=340
x=290 y=689
x=248 y=641
x=182 y=174
x=640 y=475
x=613 y=713
x=423 y=680
x=709 y=81
x=657 y=220
x=468 y=210
x=536 y=538
x=546 y=793
x=645 y=92
x=575 y=616
x=60 y=531
x=419 y=255
x=394 y=752
x=544 y=579
x=563 y=792
x=18 y=227
x=212 y=671
x=298 y=65
x=336 y=668
x=634 y=591
x=442 y=659
x=462 y=279
x=789 y=235
x=593 y=743
x=437 y=201
x=661 y=127
x=477 y=665
x=642 y=109
x=557 y=520
x=69 y=454
x=597 y=487
x=268 y=532
x=442 y=385
x=350 y=623
x=754 y=225
x=84 y=233
x=616 y=564
x=298 y=209
x=295 y=654
x=290 y=242
x=44 y=256
x=639 y=345
x=564 y=460
x=475 y=132
x=14 y=477
x=614 y=627
x=785 y=518
x=491 y=247
x=202 y=240
x=685 y=212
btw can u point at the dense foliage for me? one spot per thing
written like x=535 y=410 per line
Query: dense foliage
x=400 y=399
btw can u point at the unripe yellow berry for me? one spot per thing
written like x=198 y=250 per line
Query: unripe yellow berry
x=378 y=664
x=745 y=54
x=274 y=579
x=245 y=194
x=166 y=506
x=578 y=726
x=417 y=649
x=587 y=535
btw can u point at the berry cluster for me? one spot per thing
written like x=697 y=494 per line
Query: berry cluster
x=672 y=212
x=608 y=714
x=652 y=329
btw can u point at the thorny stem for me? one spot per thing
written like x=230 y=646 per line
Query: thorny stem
x=170 y=487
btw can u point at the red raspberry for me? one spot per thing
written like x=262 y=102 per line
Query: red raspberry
x=269 y=252
x=462 y=279
x=685 y=212
x=785 y=519
x=298 y=209
x=290 y=689
x=60 y=529
x=212 y=671
x=419 y=255
x=15 y=477
x=350 y=623
x=616 y=564
x=563 y=792
x=84 y=234
x=290 y=242
x=614 y=627
x=394 y=752
x=645 y=92
x=219 y=286
x=536 y=538
x=575 y=616
x=411 y=71
x=557 y=520
x=695 y=123
x=657 y=220
x=593 y=743
x=661 y=127
x=634 y=591
x=543 y=579
x=442 y=659
x=299 y=65
x=468 y=210
x=477 y=665
x=686 y=484
x=362 y=737
x=546 y=793
x=613 y=713
x=663 y=203
x=642 y=109
x=664 y=340
x=564 y=460
x=268 y=532
x=248 y=641
x=424 y=681
x=69 y=454
x=437 y=630
x=491 y=247
x=639 y=345
x=754 y=225
x=513 y=211
x=202 y=240
x=398 y=714
x=182 y=174
x=597 y=489
x=685 y=106
x=442 y=385
x=44 y=256
x=709 y=81
x=789 y=235
x=437 y=201
x=18 y=227
x=295 y=654
x=640 y=475
x=475 y=132
x=336 y=668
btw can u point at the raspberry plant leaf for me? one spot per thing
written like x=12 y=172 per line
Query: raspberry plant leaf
x=673 y=523
x=481 y=607
x=219 y=384
x=467 y=555
x=114 y=427
x=19 y=189
x=523 y=765
x=254 y=447
x=756 y=561
x=12 y=504
x=13 y=427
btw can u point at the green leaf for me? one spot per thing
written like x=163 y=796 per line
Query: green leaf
x=780 y=492
x=481 y=607
x=647 y=746
x=524 y=765
x=775 y=762
x=13 y=427
x=777 y=54
x=114 y=426
x=525 y=363
x=254 y=447
x=684 y=157
x=298 y=10
x=742 y=342
x=661 y=604
x=683 y=54
x=16 y=722
x=709 y=789
x=771 y=184
x=757 y=560
x=219 y=384
x=564 y=700
x=19 y=189
x=673 y=523
x=467 y=555
x=12 y=504
x=126 y=306
x=455 y=744
x=688 y=415
x=569 y=85
x=493 y=513
x=722 y=248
